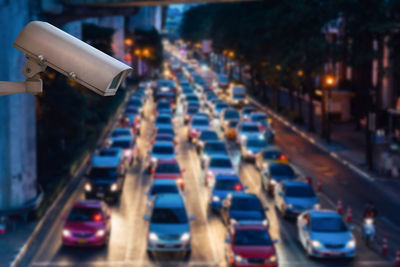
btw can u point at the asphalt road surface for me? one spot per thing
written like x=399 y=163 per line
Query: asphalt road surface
x=127 y=246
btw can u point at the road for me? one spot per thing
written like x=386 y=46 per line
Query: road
x=127 y=245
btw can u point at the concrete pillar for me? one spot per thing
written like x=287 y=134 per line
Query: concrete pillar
x=17 y=115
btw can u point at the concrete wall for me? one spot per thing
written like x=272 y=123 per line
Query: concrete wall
x=17 y=114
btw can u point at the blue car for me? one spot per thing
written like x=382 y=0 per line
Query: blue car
x=224 y=185
x=212 y=147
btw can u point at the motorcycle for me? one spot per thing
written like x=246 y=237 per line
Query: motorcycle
x=369 y=232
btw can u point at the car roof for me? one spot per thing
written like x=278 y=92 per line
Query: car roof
x=163 y=143
x=289 y=183
x=214 y=142
x=106 y=161
x=272 y=148
x=250 y=225
x=169 y=201
x=324 y=214
x=122 y=138
x=243 y=195
x=273 y=164
x=219 y=157
x=122 y=129
x=227 y=177
x=249 y=123
x=88 y=203
x=257 y=113
x=164 y=182
x=163 y=115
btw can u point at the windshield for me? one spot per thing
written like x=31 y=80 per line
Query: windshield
x=250 y=237
x=103 y=173
x=223 y=79
x=163 y=120
x=132 y=110
x=165 y=131
x=109 y=153
x=259 y=117
x=281 y=170
x=169 y=216
x=221 y=105
x=228 y=185
x=135 y=102
x=208 y=136
x=163 y=105
x=233 y=123
x=246 y=203
x=200 y=122
x=238 y=96
x=168 y=168
x=231 y=114
x=272 y=154
x=163 y=149
x=256 y=143
x=221 y=163
x=249 y=128
x=299 y=191
x=164 y=138
x=330 y=225
x=85 y=215
x=121 y=144
x=215 y=147
x=164 y=189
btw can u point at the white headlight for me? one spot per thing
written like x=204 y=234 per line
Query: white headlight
x=153 y=237
x=153 y=160
x=114 y=187
x=272 y=259
x=88 y=187
x=206 y=158
x=216 y=198
x=316 y=244
x=100 y=233
x=261 y=137
x=289 y=206
x=243 y=138
x=351 y=244
x=273 y=182
x=185 y=237
x=239 y=259
x=66 y=233
x=233 y=221
x=265 y=223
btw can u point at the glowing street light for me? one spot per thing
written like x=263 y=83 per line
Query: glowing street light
x=300 y=73
x=231 y=54
x=330 y=80
x=278 y=67
x=128 y=42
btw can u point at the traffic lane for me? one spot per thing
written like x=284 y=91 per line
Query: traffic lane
x=53 y=254
x=340 y=182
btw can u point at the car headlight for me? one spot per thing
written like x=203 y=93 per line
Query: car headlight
x=351 y=244
x=243 y=138
x=249 y=152
x=273 y=182
x=239 y=259
x=201 y=143
x=88 y=187
x=210 y=173
x=100 y=233
x=260 y=136
x=185 y=237
x=153 y=160
x=66 y=233
x=153 y=237
x=205 y=157
x=289 y=206
x=316 y=244
x=114 y=187
x=233 y=221
x=265 y=223
x=216 y=199
x=271 y=259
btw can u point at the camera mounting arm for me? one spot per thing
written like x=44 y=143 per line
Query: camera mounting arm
x=32 y=84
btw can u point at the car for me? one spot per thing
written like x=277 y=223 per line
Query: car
x=223 y=82
x=131 y=119
x=163 y=106
x=270 y=154
x=165 y=137
x=165 y=89
x=251 y=147
x=169 y=227
x=128 y=145
x=206 y=135
x=196 y=126
x=117 y=132
x=324 y=234
x=230 y=129
x=163 y=120
x=87 y=224
x=162 y=186
x=169 y=170
x=106 y=177
x=242 y=207
x=218 y=107
x=136 y=102
x=190 y=111
x=162 y=151
x=227 y=115
x=218 y=164
x=245 y=114
x=237 y=95
x=224 y=184
x=246 y=129
x=275 y=173
x=249 y=243
x=294 y=197
x=212 y=148
x=262 y=119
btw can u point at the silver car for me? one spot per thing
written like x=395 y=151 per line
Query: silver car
x=169 y=228
x=324 y=234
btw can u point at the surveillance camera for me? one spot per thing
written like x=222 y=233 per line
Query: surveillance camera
x=45 y=45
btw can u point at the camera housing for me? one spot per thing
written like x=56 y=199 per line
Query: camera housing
x=45 y=45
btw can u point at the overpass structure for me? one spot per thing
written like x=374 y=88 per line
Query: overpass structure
x=142 y=2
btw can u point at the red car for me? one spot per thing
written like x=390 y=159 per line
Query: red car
x=169 y=170
x=249 y=244
x=88 y=224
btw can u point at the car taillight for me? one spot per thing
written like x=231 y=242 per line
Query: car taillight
x=151 y=170
x=97 y=217
x=238 y=187
x=283 y=157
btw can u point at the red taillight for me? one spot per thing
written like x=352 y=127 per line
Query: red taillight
x=151 y=170
x=238 y=187
x=97 y=217
x=283 y=157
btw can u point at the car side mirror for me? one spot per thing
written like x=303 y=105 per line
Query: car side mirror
x=146 y=217
x=276 y=240
x=191 y=217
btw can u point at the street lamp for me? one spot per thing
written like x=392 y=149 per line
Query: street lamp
x=300 y=73
x=326 y=120
x=278 y=67
x=128 y=42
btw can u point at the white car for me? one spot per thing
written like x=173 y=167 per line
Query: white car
x=324 y=234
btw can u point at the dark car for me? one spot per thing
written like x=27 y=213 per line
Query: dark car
x=275 y=173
